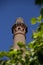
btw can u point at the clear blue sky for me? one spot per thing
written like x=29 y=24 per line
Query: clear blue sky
x=9 y=11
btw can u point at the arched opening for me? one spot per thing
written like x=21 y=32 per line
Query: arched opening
x=19 y=28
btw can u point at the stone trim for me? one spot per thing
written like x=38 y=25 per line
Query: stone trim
x=17 y=34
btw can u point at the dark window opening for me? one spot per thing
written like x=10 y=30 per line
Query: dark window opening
x=18 y=28
x=23 y=30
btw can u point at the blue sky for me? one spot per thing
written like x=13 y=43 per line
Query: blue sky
x=9 y=11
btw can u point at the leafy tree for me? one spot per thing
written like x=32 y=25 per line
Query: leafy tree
x=40 y=3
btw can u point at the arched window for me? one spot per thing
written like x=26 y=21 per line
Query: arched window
x=19 y=28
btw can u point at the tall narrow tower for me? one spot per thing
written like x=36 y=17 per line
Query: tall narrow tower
x=19 y=30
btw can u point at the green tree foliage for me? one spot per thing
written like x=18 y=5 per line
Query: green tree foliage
x=36 y=20
x=36 y=46
x=40 y=3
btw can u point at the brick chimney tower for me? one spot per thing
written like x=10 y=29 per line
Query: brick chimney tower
x=19 y=30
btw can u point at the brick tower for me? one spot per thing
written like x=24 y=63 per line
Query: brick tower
x=19 y=30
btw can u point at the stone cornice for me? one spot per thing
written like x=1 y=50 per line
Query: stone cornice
x=19 y=24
